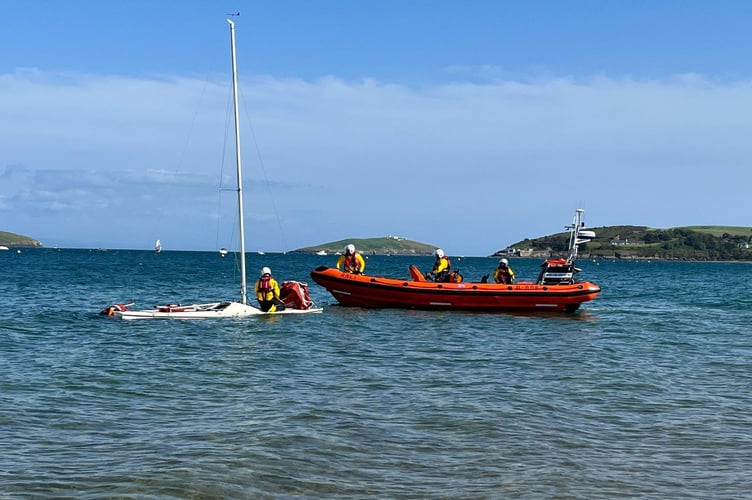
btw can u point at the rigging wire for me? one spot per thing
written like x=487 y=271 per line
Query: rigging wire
x=172 y=189
x=263 y=171
x=193 y=124
x=232 y=236
x=221 y=188
x=266 y=178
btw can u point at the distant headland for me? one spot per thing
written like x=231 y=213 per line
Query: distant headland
x=709 y=243
x=12 y=240
x=704 y=243
x=387 y=245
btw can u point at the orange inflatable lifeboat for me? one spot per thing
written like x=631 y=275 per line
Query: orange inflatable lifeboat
x=556 y=288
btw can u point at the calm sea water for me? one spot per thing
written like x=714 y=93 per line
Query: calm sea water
x=645 y=392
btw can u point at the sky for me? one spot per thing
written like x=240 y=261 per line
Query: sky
x=465 y=125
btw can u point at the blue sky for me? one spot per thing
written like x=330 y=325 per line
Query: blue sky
x=468 y=125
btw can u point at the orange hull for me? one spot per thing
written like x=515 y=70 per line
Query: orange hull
x=378 y=292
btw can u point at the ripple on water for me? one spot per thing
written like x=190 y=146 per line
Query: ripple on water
x=645 y=392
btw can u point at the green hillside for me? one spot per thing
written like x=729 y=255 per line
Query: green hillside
x=388 y=245
x=12 y=240
x=641 y=242
x=721 y=230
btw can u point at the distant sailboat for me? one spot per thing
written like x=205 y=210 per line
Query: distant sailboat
x=157 y=246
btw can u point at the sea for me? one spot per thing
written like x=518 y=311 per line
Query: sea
x=645 y=392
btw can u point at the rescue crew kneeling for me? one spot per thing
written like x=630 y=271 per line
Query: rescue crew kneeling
x=267 y=292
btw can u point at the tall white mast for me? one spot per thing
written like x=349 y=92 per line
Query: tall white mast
x=243 y=285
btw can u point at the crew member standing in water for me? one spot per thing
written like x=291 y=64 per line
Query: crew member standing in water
x=267 y=292
x=352 y=260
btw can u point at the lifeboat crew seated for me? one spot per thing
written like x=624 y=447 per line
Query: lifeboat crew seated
x=503 y=273
x=352 y=260
x=267 y=292
x=441 y=267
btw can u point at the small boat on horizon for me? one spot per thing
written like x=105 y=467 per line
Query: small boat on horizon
x=157 y=246
x=321 y=252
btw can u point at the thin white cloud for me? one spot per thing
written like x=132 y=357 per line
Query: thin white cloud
x=496 y=161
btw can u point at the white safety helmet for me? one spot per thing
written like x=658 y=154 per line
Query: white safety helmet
x=350 y=248
x=265 y=270
x=439 y=253
x=504 y=261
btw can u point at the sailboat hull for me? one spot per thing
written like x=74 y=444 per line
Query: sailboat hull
x=202 y=311
x=193 y=311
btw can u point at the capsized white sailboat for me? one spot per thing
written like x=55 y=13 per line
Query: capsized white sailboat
x=222 y=309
